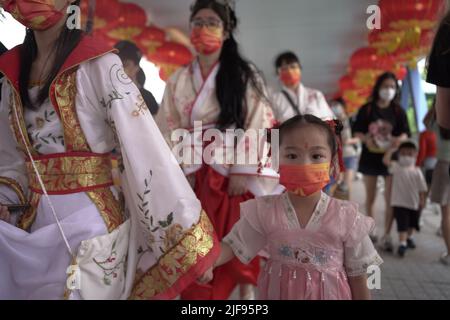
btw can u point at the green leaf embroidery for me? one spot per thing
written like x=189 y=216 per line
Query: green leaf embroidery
x=170 y=218
x=163 y=224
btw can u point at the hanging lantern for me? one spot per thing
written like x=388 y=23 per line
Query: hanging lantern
x=410 y=55
x=385 y=41
x=368 y=58
x=408 y=14
x=151 y=39
x=166 y=70
x=400 y=72
x=346 y=83
x=170 y=57
x=172 y=53
x=106 y=13
x=130 y=24
x=355 y=99
x=366 y=78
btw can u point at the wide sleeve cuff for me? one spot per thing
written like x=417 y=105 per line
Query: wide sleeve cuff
x=14 y=186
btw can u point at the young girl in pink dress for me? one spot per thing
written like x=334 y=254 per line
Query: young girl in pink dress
x=319 y=246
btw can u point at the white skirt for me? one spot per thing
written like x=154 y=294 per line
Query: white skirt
x=33 y=265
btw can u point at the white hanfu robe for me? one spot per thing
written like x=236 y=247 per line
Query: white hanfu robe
x=306 y=100
x=190 y=98
x=146 y=255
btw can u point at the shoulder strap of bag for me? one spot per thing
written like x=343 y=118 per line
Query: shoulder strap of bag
x=291 y=102
x=44 y=190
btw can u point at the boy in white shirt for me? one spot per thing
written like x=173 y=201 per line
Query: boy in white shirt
x=409 y=191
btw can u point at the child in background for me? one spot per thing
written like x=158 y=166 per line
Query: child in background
x=319 y=246
x=409 y=191
x=426 y=158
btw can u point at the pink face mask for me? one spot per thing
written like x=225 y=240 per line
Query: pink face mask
x=305 y=180
x=34 y=14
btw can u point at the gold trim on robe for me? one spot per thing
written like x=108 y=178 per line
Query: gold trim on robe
x=176 y=263
x=70 y=174
x=65 y=95
x=66 y=173
x=14 y=185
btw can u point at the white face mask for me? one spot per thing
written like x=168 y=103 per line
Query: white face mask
x=406 y=161
x=388 y=94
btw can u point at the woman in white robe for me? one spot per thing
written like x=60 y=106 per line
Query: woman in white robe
x=148 y=239
x=220 y=92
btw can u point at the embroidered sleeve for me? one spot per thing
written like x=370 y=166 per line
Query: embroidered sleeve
x=13 y=179
x=360 y=257
x=174 y=239
x=359 y=251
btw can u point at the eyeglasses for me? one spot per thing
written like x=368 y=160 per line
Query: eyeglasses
x=210 y=23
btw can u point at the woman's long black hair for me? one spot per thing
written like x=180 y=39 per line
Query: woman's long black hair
x=235 y=73
x=64 y=45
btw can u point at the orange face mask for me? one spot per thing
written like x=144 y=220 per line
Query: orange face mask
x=207 y=41
x=34 y=14
x=291 y=77
x=305 y=180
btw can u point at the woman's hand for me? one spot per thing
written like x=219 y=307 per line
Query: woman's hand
x=207 y=276
x=370 y=143
x=237 y=185
x=4 y=214
x=397 y=141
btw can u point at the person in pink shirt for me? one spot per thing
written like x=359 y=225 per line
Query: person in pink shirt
x=319 y=246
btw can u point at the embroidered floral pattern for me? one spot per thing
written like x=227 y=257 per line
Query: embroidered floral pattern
x=305 y=254
x=111 y=266
x=141 y=107
x=48 y=139
x=195 y=245
x=162 y=233
x=116 y=73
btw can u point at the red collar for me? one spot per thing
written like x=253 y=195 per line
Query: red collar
x=88 y=48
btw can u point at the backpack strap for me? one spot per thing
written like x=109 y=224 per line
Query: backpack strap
x=291 y=102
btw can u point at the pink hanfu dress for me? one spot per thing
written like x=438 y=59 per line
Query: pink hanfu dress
x=311 y=263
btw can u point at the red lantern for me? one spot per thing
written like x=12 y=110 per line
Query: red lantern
x=405 y=14
x=354 y=99
x=130 y=23
x=385 y=41
x=401 y=72
x=368 y=58
x=346 y=83
x=172 y=53
x=151 y=39
x=166 y=70
x=106 y=13
x=411 y=54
